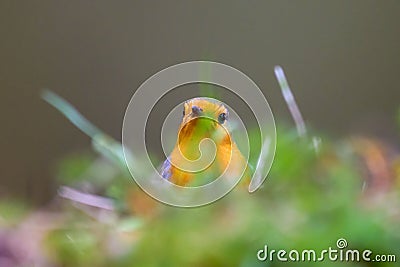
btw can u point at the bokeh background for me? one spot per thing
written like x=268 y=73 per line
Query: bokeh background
x=341 y=59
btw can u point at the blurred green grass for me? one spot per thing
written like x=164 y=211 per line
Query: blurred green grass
x=308 y=201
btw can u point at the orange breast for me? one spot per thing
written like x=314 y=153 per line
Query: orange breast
x=228 y=158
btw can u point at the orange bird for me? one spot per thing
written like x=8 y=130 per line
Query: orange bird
x=194 y=161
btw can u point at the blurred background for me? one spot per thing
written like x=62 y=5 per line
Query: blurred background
x=342 y=60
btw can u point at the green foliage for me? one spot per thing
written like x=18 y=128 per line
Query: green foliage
x=310 y=200
x=72 y=168
x=12 y=211
x=73 y=247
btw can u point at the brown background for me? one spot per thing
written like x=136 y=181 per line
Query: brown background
x=341 y=58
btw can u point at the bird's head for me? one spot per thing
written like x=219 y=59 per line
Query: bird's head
x=204 y=118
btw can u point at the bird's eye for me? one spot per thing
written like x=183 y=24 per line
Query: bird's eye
x=222 y=118
x=196 y=110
